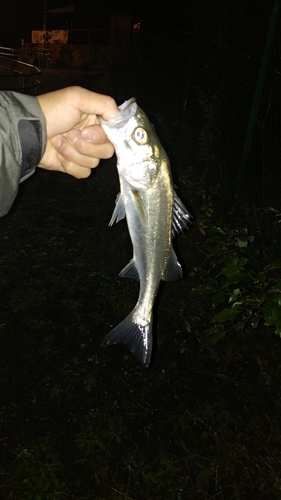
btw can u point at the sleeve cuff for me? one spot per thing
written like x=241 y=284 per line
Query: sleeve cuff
x=30 y=136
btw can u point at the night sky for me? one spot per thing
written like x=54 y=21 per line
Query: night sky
x=17 y=18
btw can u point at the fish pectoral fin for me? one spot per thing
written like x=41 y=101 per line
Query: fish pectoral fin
x=136 y=337
x=173 y=270
x=119 y=212
x=130 y=271
x=181 y=217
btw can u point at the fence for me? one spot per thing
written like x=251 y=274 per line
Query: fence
x=235 y=60
x=16 y=75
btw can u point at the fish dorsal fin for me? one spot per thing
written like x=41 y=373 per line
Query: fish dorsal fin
x=130 y=271
x=181 y=217
x=173 y=270
x=119 y=212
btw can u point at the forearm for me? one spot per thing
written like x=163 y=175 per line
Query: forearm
x=22 y=143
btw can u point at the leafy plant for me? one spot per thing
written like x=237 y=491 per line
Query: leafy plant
x=90 y=439
x=37 y=472
x=244 y=291
x=90 y=382
x=94 y=437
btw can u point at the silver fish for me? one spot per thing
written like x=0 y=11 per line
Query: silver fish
x=154 y=213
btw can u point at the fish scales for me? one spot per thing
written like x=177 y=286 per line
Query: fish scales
x=154 y=214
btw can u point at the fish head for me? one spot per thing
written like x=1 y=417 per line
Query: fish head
x=138 y=149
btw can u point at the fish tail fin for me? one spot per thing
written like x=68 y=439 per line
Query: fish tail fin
x=137 y=338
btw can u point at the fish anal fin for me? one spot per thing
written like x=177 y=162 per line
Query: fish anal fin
x=137 y=338
x=130 y=271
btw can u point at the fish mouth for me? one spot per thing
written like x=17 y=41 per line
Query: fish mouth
x=127 y=111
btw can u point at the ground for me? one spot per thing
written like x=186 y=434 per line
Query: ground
x=81 y=422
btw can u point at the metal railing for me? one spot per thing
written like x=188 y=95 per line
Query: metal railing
x=9 y=52
x=37 y=56
x=17 y=75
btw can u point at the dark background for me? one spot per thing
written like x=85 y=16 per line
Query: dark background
x=18 y=18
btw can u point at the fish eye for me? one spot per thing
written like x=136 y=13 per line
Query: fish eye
x=140 y=135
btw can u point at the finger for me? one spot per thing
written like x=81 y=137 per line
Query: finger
x=83 y=153
x=54 y=161
x=100 y=148
x=75 y=170
x=94 y=133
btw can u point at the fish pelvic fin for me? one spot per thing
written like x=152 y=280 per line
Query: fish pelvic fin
x=119 y=211
x=181 y=217
x=137 y=338
x=173 y=271
x=130 y=271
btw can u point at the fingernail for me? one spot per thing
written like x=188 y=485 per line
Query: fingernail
x=85 y=134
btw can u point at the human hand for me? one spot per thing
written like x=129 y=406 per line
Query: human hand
x=70 y=148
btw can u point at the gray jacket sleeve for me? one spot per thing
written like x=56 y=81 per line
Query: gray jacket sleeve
x=22 y=143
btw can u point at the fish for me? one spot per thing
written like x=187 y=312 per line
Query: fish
x=154 y=214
